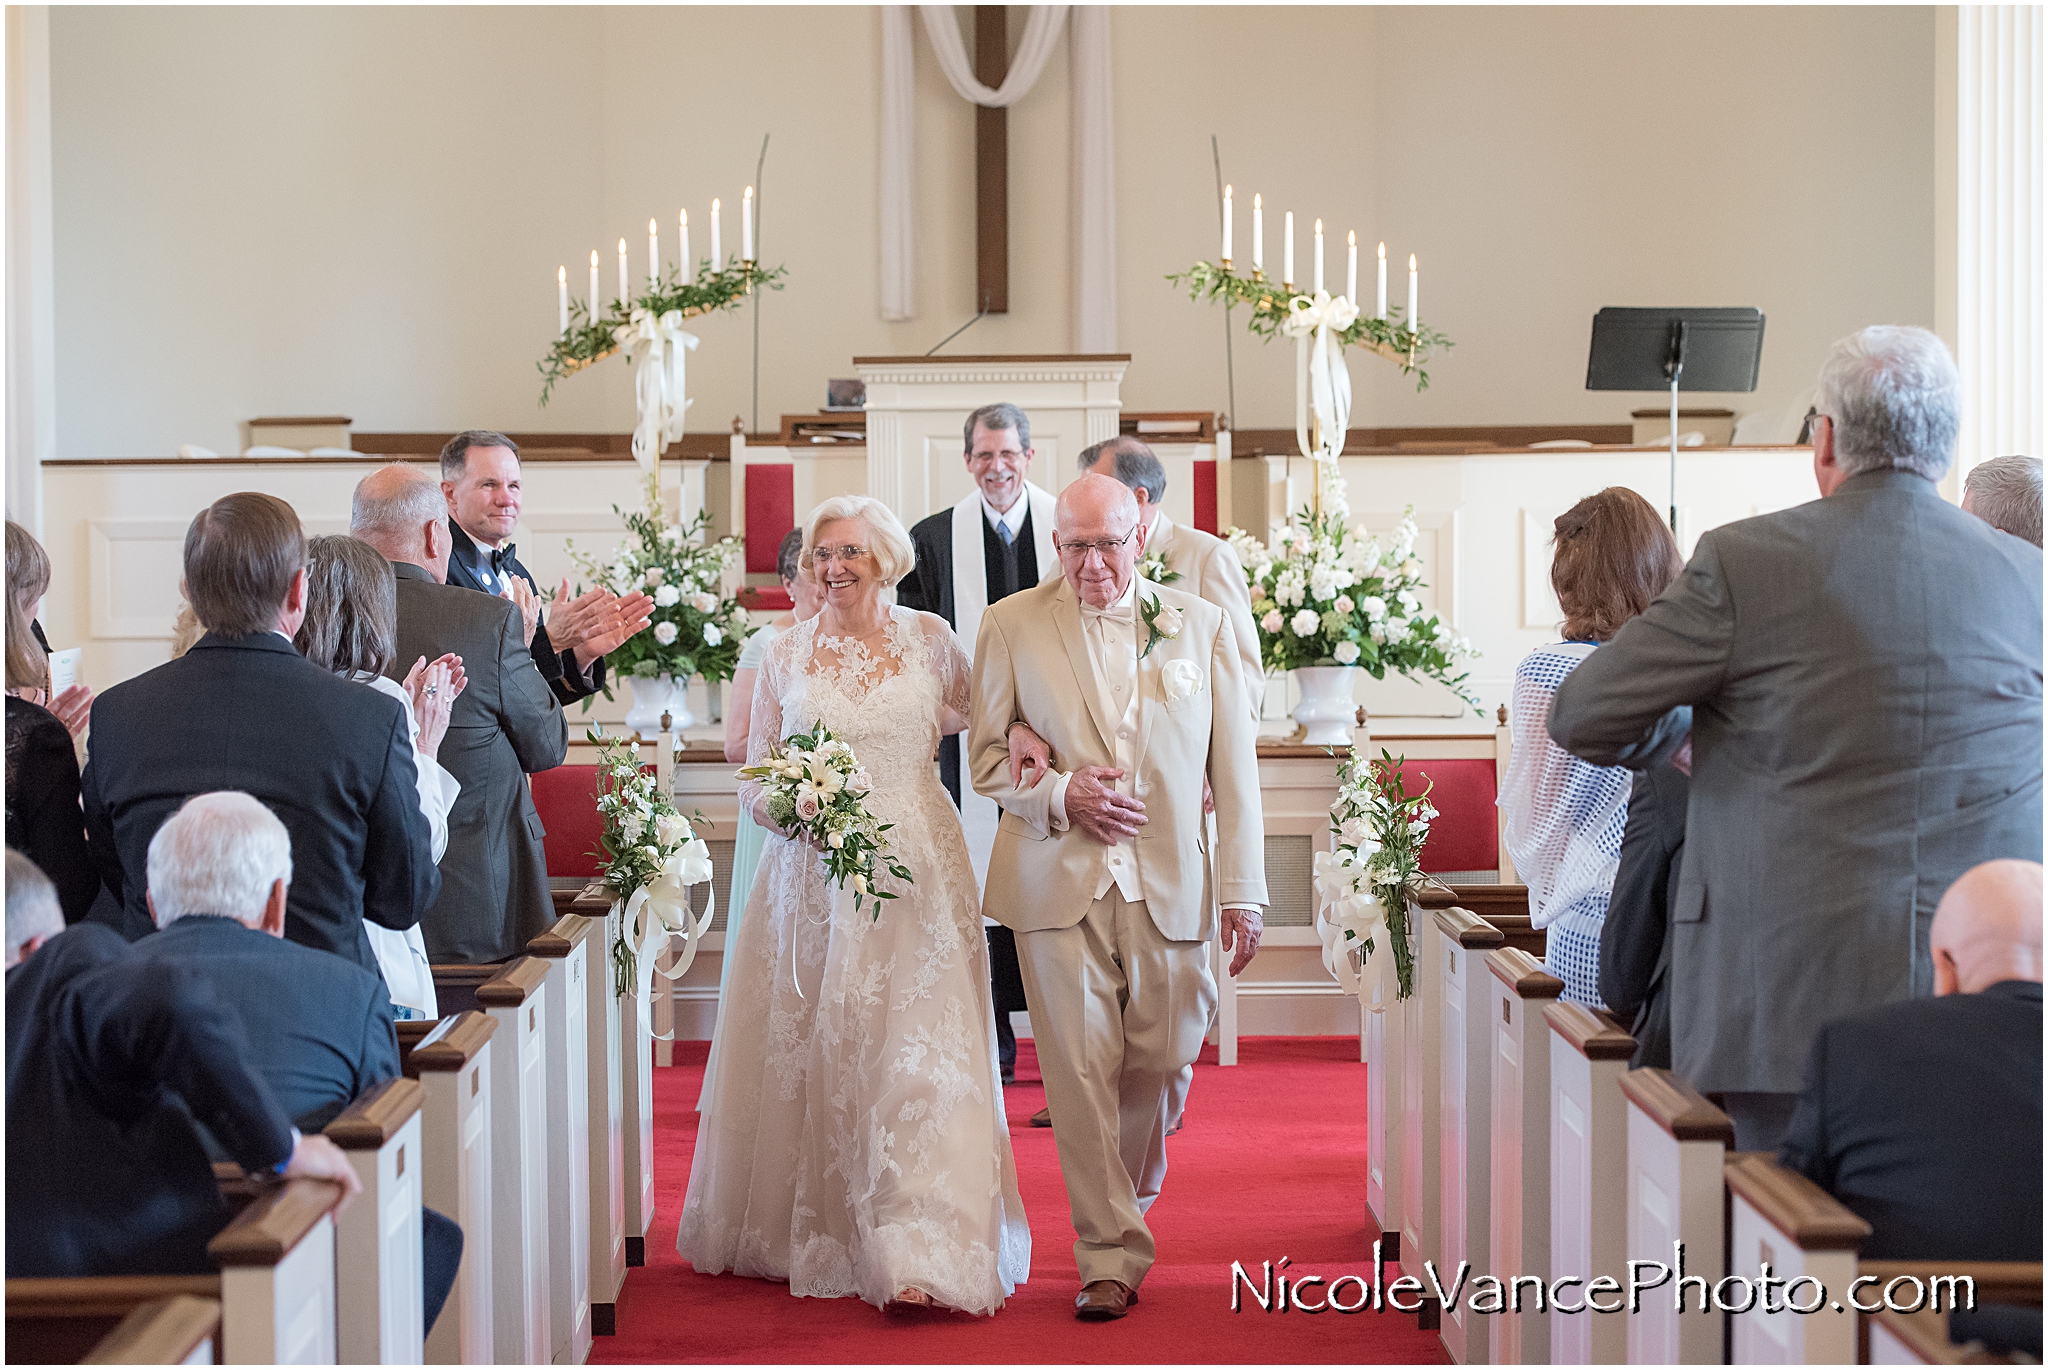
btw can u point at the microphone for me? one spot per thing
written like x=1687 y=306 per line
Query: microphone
x=963 y=327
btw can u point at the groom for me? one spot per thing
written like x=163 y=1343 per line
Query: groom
x=1101 y=869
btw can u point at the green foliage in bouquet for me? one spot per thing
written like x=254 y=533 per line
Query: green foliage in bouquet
x=645 y=838
x=818 y=789
x=1375 y=867
x=697 y=628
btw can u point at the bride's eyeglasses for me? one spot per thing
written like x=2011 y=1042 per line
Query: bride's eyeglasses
x=825 y=556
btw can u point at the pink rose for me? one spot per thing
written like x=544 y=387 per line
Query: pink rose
x=860 y=782
x=807 y=807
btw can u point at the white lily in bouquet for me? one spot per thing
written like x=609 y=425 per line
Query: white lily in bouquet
x=818 y=790
x=1364 y=882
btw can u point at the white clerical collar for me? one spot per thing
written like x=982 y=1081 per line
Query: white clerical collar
x=1013 y=519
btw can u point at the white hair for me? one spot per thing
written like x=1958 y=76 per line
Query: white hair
x=32 y=907
x=220 y=854
x=890 y=547
x=398 y=506
x=2006 y=493
x=1895 y=399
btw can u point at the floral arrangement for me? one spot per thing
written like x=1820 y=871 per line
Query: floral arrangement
x=697 y=628
x=649 y=854
x=1152 y=566
x=1162 y=623
x=1271 y=306
x=817 y=790
x=1378 y=829
x=1326 y=594
x=588 y=340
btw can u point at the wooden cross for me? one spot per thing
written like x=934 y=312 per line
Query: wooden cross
x=991 y=165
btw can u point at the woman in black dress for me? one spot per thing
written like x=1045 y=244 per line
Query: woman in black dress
x=44 y=822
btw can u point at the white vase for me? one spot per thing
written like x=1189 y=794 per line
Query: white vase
x=1326 y=708
x=652 y=697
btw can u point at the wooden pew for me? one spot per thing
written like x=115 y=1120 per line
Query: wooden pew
x=451 y=1058
x=634 y=1089
x=606 y=1112
x=521 y=1295
x=1677 y=1142
x=1465 y=1087
x=1383 y=1053
x=564 y=949
x=176 y=1330
x=1589 y=1209
x=275 y=1289
x=1519 y=1173
x=1420 y=1112
x=379 y=1313
x=1923 y=1338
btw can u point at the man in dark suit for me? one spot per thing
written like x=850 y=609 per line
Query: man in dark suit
x=244 y=711
x=106 y=1072
x=1925 y=1116
x=1635 y=946
x=1865 y=676
x=505 y=725
x=319 y=1030
x=481 y=482
x=989 y=546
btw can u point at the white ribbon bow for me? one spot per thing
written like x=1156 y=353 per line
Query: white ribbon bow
x=660 y=342
x=659 y=911
x=1320 y=378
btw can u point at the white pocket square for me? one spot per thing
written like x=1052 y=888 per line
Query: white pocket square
x=1181 y=679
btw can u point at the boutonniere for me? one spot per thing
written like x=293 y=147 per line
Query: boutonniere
x=1152 y=566
x=1162 y=623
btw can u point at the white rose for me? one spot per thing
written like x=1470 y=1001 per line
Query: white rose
x=704 y=603
x=1272 y=621
x=1356 y=832
x=1409 y=603
x=665 y=633
x=1306 y=622
x=1167 y=622
x=654 y=575
x=1344 y=605
x=672 y=533
x=671 y=828
x=1396 y=627
x=1346 y=653
x=666 y=596
x=1374 y=606
x=712 y=637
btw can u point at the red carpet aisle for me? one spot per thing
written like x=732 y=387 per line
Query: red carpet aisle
x=1269 y=1165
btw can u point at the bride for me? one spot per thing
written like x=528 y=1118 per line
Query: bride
x=855 y=1141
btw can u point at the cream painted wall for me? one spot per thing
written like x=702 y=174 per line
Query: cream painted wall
x=316 y=210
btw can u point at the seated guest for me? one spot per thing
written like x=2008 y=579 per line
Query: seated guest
x=1564 y=818
x=1857 y=741
x=1924 y=1116
x=505 y=725
x=107 y=1071
x=43 y=818
x=1635 y=951
x=351 y=629
x=319 y=1030
x=2006 y=493
x=244 y=711
x=28 y=577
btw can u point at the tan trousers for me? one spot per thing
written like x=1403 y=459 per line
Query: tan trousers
x=1117 y=1011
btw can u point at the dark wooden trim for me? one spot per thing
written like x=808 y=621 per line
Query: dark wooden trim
x=987 y=358
x=991 y=165
x=514 y=983
x=565 y=900
x=411 y=1032
x=94 y=1296
x=699 y=446
x=161 y=1332
x=2016 y=1282
x=1674 y=1105
x=1280 y=442
x=1467 y=928
x=265 y=1232
x=1523 y=974
x=1814 y=1219
x=453 y=1043
x=376 y=1115
x=559 y=940
x=594 y=902
x=1594 y=1036
x=1516 y=931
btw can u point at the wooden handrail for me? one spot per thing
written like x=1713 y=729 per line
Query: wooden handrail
x=513 y=983
x=455 y=986
x=453 y=1043
x=1595 y=1036
x=559 y=940
x=1674 y=1105
x=1814 y=1219
x=265 y=1232
x=2016 y=1282
x=1523 y=974
x=1484 y=900
x=376 y=1115
x=1467 y=928
x=101 y=1296
x=411 y=1032
x=594 y=902
x=161 y=1332
x=1924 y=1334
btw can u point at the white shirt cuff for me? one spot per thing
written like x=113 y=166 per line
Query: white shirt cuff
x=1059 y=801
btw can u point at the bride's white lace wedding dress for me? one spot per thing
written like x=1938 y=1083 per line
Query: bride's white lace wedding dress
x=855 y=1142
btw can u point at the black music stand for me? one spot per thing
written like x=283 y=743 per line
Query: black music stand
x=1686 y=349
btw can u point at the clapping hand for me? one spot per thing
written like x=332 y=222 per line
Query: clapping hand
x=73 y=707
x=1097 y=809
x=616 y=620
x=433 y=686
x=1028 y=752
x=528 y=599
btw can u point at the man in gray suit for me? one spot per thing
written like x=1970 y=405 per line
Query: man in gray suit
x=1864 y=675
x=505 y=725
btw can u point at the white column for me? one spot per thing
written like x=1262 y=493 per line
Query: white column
x=31 y=309
x=1094 y=169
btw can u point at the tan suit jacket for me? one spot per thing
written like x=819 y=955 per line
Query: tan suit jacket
x=1031 y=664
x=1209 y=568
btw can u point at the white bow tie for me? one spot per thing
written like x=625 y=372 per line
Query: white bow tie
x=1122 y=614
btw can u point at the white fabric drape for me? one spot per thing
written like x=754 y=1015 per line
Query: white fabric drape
x=1094 y=194
x=1041 y=35
x=899 y=152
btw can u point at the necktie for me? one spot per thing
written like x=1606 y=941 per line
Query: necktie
x=1003 y=532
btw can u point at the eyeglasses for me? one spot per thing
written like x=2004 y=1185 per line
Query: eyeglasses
x=827 y=555
x=984 y=458
x=1078 y=551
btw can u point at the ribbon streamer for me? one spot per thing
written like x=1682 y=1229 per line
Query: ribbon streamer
x=656 y=344
x=1321 y=380
x=658 y=912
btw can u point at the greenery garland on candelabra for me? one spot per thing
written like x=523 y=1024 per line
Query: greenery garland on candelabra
x=1269 y=306
x=588 y=341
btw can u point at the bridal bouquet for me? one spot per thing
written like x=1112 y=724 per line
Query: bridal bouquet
x=817 y=789
x=1363 y=886
x=650 y=856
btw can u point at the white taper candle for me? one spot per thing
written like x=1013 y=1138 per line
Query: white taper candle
x=1351 y=272
x=747 y=225
x=1287 y=252
x=1319 y=256
x=594 y=306
x=717 y=257
x=683 y=237
x=1381 y=312
x=624 y=297
x=1258 y=232
x=562 y=300
x=1413 y=276
x=1226 y=223
x=653 y=255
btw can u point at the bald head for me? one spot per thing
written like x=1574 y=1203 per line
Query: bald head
x=400 y=511
x=1095 y=528
x=1988 y=928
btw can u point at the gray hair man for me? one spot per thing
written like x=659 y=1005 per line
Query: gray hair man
x=1857 y=743
x=222 y=854
x=33 y=913
x=2006 y=493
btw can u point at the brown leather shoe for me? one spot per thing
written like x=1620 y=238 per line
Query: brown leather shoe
x=1043 y=1118
x=1103 y=1301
